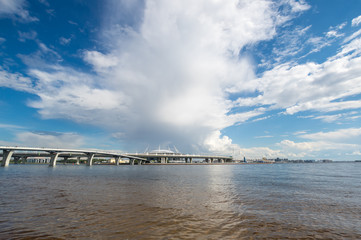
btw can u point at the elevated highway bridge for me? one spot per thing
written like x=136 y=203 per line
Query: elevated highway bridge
x=55 y=153
x=162 y=157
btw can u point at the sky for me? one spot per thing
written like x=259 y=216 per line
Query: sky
x=243 y=78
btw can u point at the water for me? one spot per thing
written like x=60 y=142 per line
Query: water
x=279 y=201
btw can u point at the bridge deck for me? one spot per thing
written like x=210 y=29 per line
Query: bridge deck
x=53 y=153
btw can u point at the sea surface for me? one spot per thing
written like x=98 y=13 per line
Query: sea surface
x=259 y=201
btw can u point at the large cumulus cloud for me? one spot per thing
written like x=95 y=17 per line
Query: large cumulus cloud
x=167 y=78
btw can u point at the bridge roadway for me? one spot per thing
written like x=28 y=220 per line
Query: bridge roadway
x=54 y=153
x=187 y=158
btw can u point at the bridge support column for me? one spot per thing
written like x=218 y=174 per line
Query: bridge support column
x=131 y=161
x=117 y=159
x=221 y=160
x=7 y=154
x=16 y=160
x=90 y=159
x=190 y=160
x=77 y=161
x=65 y=159
x=23 y=159
x=53 y=159
x=139 y=162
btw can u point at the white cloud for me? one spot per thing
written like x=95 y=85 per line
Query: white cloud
x=100 y=61
x=356 y=153
x=338 y=117
x=7 y=126
x=300 y=132
x=258 y=153
x=169 y=78
x=217 y=143
x=334 y=136
x=333 y=33
x=45 y=2
x=356 y=21
x=265 y=136
x=336 y=144
x=49 y=139
x=321 y=87
x=16 y=81
x=15 y=9
x=64 y=41
x=299 y=6
x=316 y=149
x=353 y=36
x=23 y=36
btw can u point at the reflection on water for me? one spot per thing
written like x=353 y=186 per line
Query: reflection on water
x=181 y=202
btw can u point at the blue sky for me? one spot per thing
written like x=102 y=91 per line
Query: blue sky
x=244 y=78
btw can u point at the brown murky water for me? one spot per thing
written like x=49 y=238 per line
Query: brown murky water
x=290 y=201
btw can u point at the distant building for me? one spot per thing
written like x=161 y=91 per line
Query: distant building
x=38 y=160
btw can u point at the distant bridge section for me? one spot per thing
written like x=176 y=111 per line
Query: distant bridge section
x=168 y=156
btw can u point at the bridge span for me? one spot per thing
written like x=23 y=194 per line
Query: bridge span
x=55 y=153
x=160 y=157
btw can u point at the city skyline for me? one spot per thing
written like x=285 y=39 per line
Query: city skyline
x=244 y=78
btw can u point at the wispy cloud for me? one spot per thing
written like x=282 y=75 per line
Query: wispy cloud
x=348 y=116
x=23 y=36
x=49 y=139
x=338 y=136
x=265 y=136
x=15 y=81
x=16 y=9
x=10 y=126
x=356 y=21
x=64 y=41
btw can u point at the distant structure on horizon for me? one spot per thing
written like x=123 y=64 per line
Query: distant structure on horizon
x=168 y=156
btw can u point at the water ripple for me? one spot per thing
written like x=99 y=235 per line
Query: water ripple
x=181 y=202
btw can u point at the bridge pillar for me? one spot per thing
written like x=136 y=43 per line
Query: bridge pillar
x=117 y=159
x=163 y=160
x=90 y=159
x=23 y=159
x=188 y=160
x=139 y=162
x=65 y=159
x=16 y=160
x=53 y=159
x=77 y=161
x=7 y=154
x=221 y=160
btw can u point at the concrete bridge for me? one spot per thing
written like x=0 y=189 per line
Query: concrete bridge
x=54 y=153
x=168 y=156
x=161 y=156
